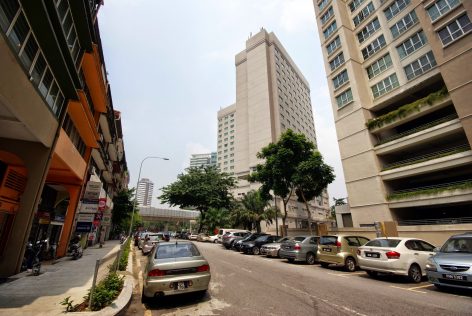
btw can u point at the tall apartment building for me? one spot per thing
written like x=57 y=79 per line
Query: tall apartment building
x=144 y=192
x=272 y=95
x=400 y=83
x=203 y=160
x=59 y=133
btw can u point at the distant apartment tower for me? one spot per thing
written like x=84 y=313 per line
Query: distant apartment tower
x=400 y=83
x=144 y=192
x=272 y=95
x=203 y=160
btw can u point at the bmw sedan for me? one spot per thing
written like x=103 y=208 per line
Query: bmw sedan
x=175 y=268
x=451 y=266
x=303 y=248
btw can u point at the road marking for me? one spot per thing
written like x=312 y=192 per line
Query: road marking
x=247 y=270
x=350 y=310
x=338 y=274
x=407 y=289
x=346 y=275
x=421 y=286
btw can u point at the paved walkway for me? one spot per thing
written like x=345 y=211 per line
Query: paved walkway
x=25 y=294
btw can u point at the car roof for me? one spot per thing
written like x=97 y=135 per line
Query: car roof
x=467 y=234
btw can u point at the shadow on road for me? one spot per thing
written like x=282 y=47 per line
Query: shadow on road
x=178 y=301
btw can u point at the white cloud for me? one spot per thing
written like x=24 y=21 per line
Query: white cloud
x=297 y=15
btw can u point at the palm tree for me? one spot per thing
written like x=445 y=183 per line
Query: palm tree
x=215 y=218
x=254 y=209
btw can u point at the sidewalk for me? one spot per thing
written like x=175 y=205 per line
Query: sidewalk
x=41 y=295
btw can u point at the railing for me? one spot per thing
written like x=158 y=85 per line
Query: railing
x=436 y=221
x=426 y=157
x=418 y=129
x=457 y=185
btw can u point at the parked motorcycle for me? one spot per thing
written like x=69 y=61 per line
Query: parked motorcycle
x=75 y=250
x=33 y=256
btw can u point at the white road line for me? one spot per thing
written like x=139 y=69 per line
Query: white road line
x=407 y=289
x=327 y=302
x=338 y=274
x=247 y=270
x=420 y=287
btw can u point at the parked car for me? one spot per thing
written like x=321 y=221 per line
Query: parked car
x=150 y=241
x=166 y=236
x=254 y=247
x=223 y=232
x=237 y=244
x=142 y=236
x=203 y=237
x=192 y=236
x=302 y=248
x=340 y=250
x=213 y=239
x=451 y=266
x=230 y=237
x=272 y=249
x=175 y=268
x=398 y=255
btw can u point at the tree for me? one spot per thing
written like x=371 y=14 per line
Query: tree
x=201 y=189
x=122 y=209
x=254 y=208
x=215 y=218
x=281 y=162
x=311 y=179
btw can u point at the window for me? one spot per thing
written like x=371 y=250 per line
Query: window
x=385 y=86
x=8 y=11
x=344 y=98
x=330 y=30
x=374 y=47
x=333 y=45
x=379 y=66
x=412 y=44
x=355 y=4
x=325 y=17
x=393 y=9
x=365 y=12
x=322 y=4
x=420 y=66
x=336 y=62
x=455 y=29
x=441 y=7
x=404 y=24
x=340 y=79
x=367 y=31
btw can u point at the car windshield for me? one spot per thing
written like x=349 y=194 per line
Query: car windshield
x=176 y=251
x=391 y=243
x=262 y=238
x=462 y=245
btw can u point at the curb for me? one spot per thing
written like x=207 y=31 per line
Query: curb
x=122 y=301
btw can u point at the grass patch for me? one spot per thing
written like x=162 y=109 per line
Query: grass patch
x=407 y=109
x=430 y=191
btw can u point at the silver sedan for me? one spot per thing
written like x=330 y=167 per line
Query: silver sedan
x=175 y=268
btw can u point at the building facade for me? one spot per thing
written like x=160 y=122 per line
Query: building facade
x=272 y=95
x=203 y=160
x=144 y=192
x=399 y=90
x=58 y=126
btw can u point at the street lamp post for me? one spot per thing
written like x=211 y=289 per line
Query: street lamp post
x=136 y=192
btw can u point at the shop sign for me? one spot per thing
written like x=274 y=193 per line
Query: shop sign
x=106 y=220
x=88 y=207
x=83 y=227
x=44 y=217
x=92 y=190
x=91 y=236
x=85 y=217
x=96 y=223
x=98 y=216
x=59 y=218
x=102 y=203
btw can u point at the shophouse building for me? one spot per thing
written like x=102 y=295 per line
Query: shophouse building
x=58 y=125
x=400 y=85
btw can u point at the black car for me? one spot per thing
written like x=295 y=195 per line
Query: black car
x=254 y=246
x=237 y=244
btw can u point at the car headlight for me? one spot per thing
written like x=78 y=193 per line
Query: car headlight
x=431 y=266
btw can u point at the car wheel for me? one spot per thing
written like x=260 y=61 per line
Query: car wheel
x=372 y=274
x=324 y=264
x=310 y=258
x=215 y=241
x=350 y=264
x=291 y=260
x=278 y=254
x=256 y=251
x=414 y=273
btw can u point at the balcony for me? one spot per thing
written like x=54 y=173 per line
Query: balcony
x=444 y=193
x=93 y=75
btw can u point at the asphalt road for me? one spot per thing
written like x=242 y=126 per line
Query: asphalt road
x=255 y=285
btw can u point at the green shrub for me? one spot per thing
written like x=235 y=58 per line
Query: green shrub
x=407 y=195
x=407 y=109
x=106 y=291
x=124 y=256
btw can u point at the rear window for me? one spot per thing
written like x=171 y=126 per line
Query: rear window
x=155 y=237
x=176 y=251
x=328 y=240
x=299 y=238
x=284 y=239
x=390 y=243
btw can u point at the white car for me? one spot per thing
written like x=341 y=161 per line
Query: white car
x=396 y=255
x=151 y=241
x=192 y=236
x=213 y=239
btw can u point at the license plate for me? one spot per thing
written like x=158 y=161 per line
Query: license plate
x=455 y=277
x=179 y=286
x=372 y=255
x=327 y=249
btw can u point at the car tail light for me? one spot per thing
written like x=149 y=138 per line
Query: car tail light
x=392 y=255
x=338 y=244
x=156 y=272
x=203 y=268
x=297 y=247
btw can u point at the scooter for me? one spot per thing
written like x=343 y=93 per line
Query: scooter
x=75 y=250
x=33 y=254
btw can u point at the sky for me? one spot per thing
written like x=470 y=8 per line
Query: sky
x=170 y=64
